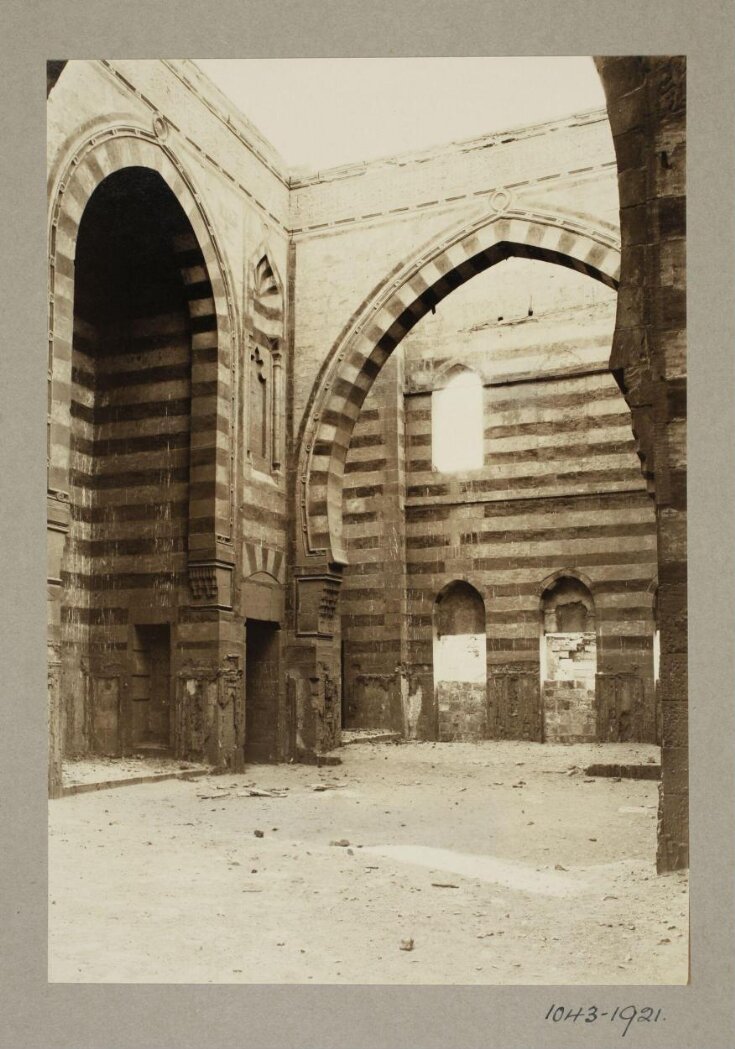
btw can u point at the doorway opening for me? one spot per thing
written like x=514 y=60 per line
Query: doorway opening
x=261 y=690
x=150 y=715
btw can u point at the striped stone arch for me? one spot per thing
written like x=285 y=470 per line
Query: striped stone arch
x=564 y=573
x=211 y=307
x=263 y=560
x=389 y=315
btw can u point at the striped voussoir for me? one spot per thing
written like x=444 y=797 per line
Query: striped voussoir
x=206 y=391
x=259 y=558
x=393 y=312
x=211 y=308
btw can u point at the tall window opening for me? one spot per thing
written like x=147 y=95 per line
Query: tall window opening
x=457 y=423
x=259 y=406
x=264 y=428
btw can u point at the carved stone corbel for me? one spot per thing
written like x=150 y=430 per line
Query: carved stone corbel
x=316 y=603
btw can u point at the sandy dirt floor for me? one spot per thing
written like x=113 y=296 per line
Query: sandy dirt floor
x=454 y=863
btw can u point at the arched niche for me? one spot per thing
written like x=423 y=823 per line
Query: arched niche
x=112 y=150
x=264 y=436
x=141 y=298
x=459 y=662
x=568 y=660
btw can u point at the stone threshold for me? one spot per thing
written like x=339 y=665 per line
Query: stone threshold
x=368 y=736
x=132 y=781
x=647 y=771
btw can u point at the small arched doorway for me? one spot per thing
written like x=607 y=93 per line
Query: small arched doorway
x=460 y=663
x=568 y=660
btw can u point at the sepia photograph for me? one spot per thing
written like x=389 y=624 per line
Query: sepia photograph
x=367 y=549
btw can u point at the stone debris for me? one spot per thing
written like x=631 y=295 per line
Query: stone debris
x=258 y=833
x=406 y=945
x=343 y=843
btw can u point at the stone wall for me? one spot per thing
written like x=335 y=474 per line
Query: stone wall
x=560 y=489
x=355 y=227
x=646 y=99
x=570 y=711
x=562 y=486
x=212 y=552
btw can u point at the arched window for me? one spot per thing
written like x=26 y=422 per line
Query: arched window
x=568 y=661
x=265 y=407
x=457 y=423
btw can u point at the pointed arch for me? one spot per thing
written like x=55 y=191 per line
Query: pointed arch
x=359 y=354
x=459 y=608
x=564 y=573
x=267 y=294
x=450 y=371
x=106 y=152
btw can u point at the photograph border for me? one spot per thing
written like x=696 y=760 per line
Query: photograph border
x=35 y=1013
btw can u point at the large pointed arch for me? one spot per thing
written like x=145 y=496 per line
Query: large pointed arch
x=106 y=152
x=389 y=315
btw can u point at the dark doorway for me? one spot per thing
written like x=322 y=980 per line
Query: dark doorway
x=151 y=689
x=261 y=691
